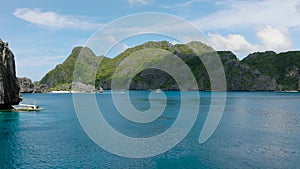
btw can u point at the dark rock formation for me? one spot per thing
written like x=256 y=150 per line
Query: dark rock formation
x=9 y=86
x=79 y=86
x=283 y=67
x=260 y=71
x=241 y=77
x=40 y=88
x=26 y=85
x=145 y=80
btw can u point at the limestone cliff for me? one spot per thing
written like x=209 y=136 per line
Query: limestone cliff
x=9 y=86
x=26 y=86
x=266 y=71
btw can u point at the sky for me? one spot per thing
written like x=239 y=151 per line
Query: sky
x=42 y=33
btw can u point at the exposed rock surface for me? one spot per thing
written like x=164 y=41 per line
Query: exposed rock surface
x=79 y=86
x=40 y=88
x=145 y=80
x=9 y=86
x=26 y=86
x=283 y=67
x=241 y=77
x=266 y=71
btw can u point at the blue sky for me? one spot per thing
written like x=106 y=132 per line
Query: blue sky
x=42 y=33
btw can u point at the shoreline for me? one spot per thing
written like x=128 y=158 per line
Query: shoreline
x=85 y=92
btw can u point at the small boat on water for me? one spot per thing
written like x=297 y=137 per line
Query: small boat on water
x=27 y=107
x=158 y=90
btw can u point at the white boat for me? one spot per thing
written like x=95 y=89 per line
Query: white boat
x=158 y=90
x=27 y=107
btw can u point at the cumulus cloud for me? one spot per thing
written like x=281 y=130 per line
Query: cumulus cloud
x=269 y=39
x=233 y=42
x=139 y=2
x=52 y=19
x=274 y=39
x=252 y=13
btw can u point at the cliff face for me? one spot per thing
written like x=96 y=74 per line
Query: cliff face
x=283 y=67
x=26 y=86
x=241 y=77
x=266 y=71
x=145 y=80
x=9 y=86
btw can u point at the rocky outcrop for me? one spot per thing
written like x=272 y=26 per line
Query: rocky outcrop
x=260 y=71
x=40 y=88
x=241 y=77
x=9 y=86
x=79 y=86
x=283 y=67
x=26 y=85
x=145 y=80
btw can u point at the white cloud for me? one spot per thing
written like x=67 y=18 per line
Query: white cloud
x=274 y=39
x=252 y=13
x=270 y=39
x=139 y=2
x=233 y=42
x=52 y=19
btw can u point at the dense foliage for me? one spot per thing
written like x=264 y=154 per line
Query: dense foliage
x=258 y=71
x=283 y=67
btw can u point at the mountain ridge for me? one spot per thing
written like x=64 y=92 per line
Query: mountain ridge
x=253 y=73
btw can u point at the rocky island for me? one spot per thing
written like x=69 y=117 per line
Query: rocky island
x=260 y=71
x=27 y=86
x=9 y=86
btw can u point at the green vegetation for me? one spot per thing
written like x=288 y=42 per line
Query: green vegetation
x=283 y=67
x=258 y=71
x=62 y=74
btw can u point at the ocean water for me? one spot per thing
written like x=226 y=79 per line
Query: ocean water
x=257 y=130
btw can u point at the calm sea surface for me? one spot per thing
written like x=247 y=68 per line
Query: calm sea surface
x=258 y=130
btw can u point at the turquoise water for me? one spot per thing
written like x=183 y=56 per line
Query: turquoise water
x=258 y=130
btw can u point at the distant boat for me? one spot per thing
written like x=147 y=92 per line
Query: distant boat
x=158 y=90
x=26 y=107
